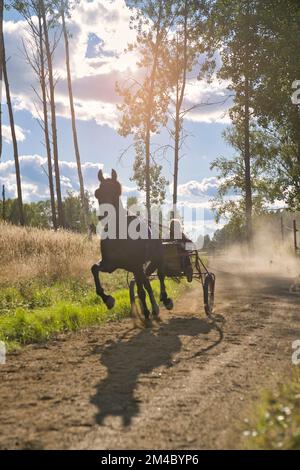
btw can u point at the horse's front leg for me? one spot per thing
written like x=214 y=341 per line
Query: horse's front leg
x=107 y=299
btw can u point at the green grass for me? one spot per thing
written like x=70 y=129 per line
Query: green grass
x=276 y=421
x=32 y=313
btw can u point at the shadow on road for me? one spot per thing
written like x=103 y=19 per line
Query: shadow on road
x=127 y=361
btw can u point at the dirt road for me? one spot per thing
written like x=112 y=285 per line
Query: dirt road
x=182 y=384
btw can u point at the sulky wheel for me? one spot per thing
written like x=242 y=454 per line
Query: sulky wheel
x=209 y=293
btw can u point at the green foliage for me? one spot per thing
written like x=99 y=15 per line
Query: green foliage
x=230 y=200
x=233 y=31
x=36 y=214
x=260 y=41
x=158 y=181
x=74 y=217
x=132 y=201
x=276 y=421
x=279 y=68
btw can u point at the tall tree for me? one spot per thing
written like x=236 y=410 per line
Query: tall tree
x=158 y=181
x=43 y=86
x=280 y=25
x=60 y=209
x=230 y=201
x=64 y=9
x=150 y=97
x=145 y=104
x=181 y=42
x=247 y=117
x=13 y=136
x=235 y=32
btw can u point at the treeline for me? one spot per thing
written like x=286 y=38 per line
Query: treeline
x=252 y=44
x=39 y=214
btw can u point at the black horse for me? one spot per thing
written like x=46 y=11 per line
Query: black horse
x=129 y=254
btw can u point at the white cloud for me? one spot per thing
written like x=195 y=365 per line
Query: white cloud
x=99 y=33
x=6 y=133
x=206 y=188
x=213 y=99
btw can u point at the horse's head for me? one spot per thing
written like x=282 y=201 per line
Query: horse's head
x=109 y=190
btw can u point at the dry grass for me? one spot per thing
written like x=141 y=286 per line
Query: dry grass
x=35 y=254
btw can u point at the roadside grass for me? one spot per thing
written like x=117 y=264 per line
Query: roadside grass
x=276 y=420
x=28 y=254
x=38 y=316
x=35 y=293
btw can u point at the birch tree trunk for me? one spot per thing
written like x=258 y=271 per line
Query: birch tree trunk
x=149 y=111
x=180 y=90
x=74 y=130
x=60 y=210
x=45 y=117
x=13 y=136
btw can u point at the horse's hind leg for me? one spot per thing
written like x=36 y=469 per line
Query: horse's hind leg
x=148 y=287
x=107 y=299
x=153 y=266
x=139 y=279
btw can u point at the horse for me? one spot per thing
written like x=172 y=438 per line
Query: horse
x=129 y=254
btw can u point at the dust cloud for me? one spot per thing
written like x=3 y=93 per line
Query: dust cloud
x=272 y=252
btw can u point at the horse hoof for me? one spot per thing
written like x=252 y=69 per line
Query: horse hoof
x=169 y=304
x=148 y=323
x=110 y=302
x=157 y=319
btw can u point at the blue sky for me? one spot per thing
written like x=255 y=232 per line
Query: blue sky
x=98 y=30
